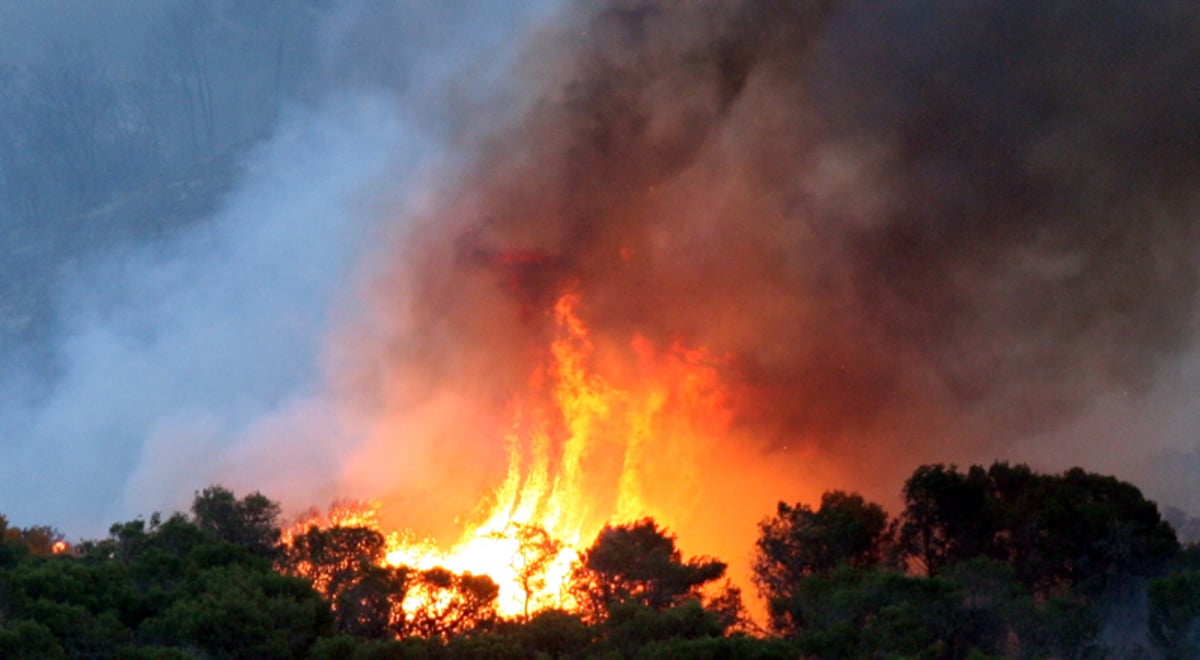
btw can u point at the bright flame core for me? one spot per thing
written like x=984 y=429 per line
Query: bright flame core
x=601 y=439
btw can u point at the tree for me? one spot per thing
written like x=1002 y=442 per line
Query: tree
x=995 y=608
x=450 y=604
x=239 y=612
x=866 y=612
x=16 y=542
x=26 y=639
x=372 y=605
x=1105 y=536
x=1074 y=531
x=554 y=633
x=797 y=541
x=741 y=646
x=638 y=562
x=1174 y=615
x=536 y=551
x=250 y=522
x=78 y=604
x=727 y=605
x=947 y=517
x=631 y=626
x=332 y=557
x=1062 y=626
x=346 y=565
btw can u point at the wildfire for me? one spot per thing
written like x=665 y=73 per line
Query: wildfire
x=605 y=436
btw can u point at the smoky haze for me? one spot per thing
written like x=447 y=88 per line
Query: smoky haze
x=922 y=232
x=188 y=189
x=918 y=231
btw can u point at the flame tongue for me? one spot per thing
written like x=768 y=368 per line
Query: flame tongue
x=599 y=439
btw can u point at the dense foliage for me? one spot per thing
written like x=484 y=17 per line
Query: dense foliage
x=996 y=562
x=1000 y=561
x=163 y=588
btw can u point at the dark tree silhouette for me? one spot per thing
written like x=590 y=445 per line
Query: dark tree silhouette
x=947 y=517
x=156 y=589
x=450 y=604
x=372 y=604
x=36 y=540
x=1029 y=578
x=798 y=541
x=536 y=551
x=1174 y=609
x=251 y=522
x=639 y=562
x=345 y=564
x=1078 y=530
x=1097 y=534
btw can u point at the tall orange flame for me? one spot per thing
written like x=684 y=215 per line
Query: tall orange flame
x=604 y=437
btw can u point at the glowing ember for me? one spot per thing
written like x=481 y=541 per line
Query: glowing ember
x=604 y=437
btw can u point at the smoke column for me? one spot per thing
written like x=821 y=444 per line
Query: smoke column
x=922 y=233
x=918 y=231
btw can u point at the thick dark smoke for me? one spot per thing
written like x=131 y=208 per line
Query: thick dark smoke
x=919 y=230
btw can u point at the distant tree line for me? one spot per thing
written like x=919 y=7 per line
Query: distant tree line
x=987 y=562
x=1000 y=561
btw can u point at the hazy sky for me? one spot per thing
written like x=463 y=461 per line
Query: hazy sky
x=924 y=233
x=172 y=355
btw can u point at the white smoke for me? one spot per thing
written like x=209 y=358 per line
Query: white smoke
x=172 y=351
x=200 y=359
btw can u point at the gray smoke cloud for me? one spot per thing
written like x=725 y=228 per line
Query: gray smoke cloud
x=170 y=350
x=919 y=232
x=922 y=232
x=182 y=358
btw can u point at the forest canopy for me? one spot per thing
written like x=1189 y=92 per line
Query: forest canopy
x=1001 y=561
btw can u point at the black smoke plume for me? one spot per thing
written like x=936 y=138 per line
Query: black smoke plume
x=909 y=224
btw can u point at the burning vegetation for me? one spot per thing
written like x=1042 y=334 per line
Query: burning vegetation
x=725 y=250
x=1002 y=561
x=605 y=437
x=719 y=254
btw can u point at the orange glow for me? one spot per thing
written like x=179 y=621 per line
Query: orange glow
x=59 y=547
x=605 y=435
